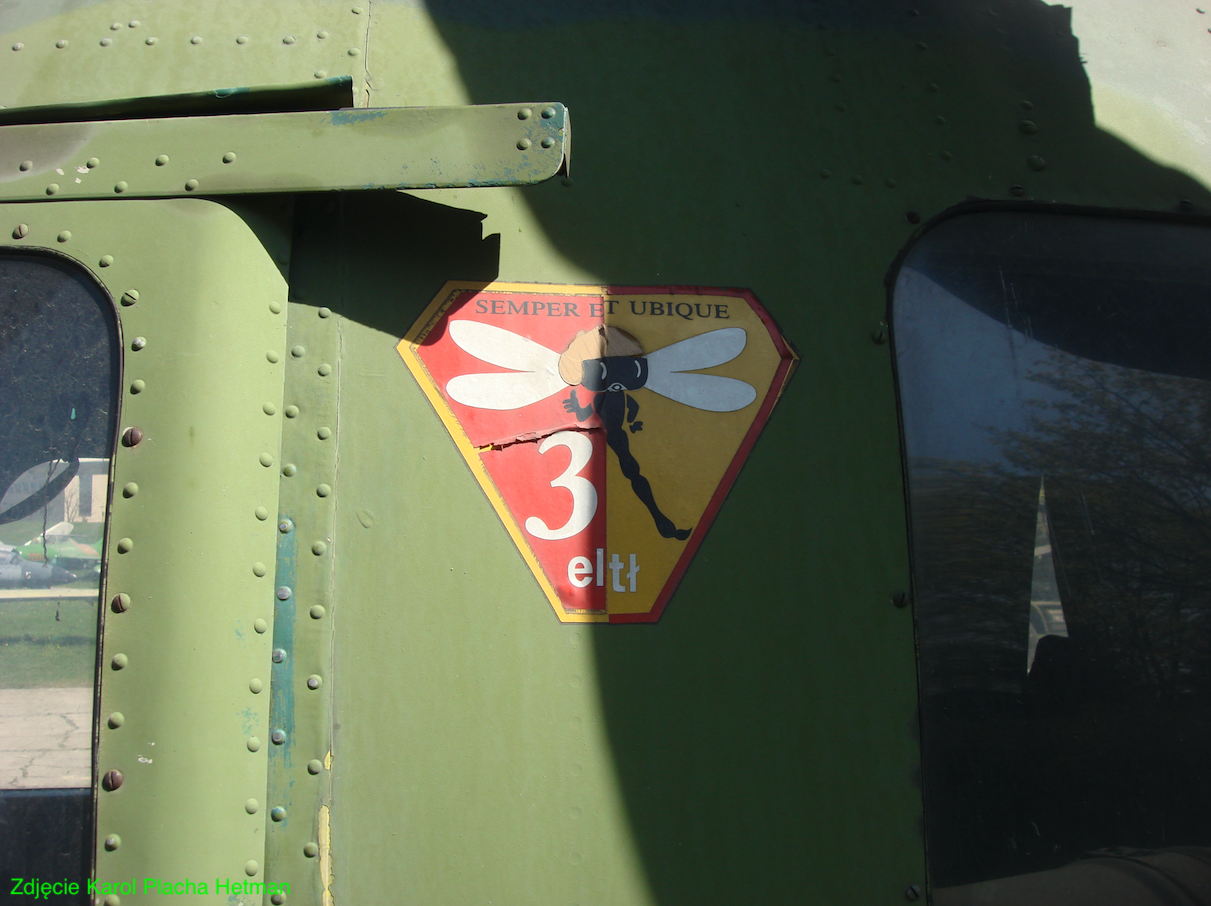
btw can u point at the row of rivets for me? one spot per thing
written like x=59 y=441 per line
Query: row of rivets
x=64 y=43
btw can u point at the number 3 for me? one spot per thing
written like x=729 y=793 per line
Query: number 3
x=584 y=495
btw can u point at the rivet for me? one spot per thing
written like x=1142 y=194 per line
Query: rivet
x=899 y=598
x=242 y=39
x=324 y=370
x=255 y=686
x=283 y=593
x=548 y=142
x=138 y=343
x=890 y=183
x=1036 y=163
x=314 y=766
x=289 y=39
x=523 y=144
x=1028 y=127
x=133 y=23
x=279 y=655
x=25 y=165
x=92 y=162
x=119 y=662
x=317 y=611
x=52 y=188
x=857 y=180
x=60 y=43
x=921 y=45
x=275 y=307
x=298 y=351
x=940 y=120
x=319 y=548
x=229 y=157
x=912 y=217
x=291 y=411
x=120 y=187
x=310 y=850
x=272 y=356
x=1017 y=191
x=269 y=408
x=357 y=10
x=879 y=335
x=116 y=720
x=130 y=489
x=18 y=46
x=353 y=51
x=190 y=185
x=21 y=231
x=548 y=112
x=125 y=545
x=524 y=113
x=1026 y=105
x=116 y=26
x=946 y=155
x=105 y=42
x=324 y=311
x=324 y=433
x=314 y=682
x=277 y=737
x=112 y=842
x=120 y=603
x=1186 y=205
x=285 y=526
x=138 y=386
x=261 y=513
x=323 y=490
x=266 y=460
x=254 y=744
x=277 y=813
x=252 y=806
x=251 y=867
x=132 y=437
x=321 y=34
x=106 y=260
x=260 y=626
x=932 y=86
x=161 y=160
x=150 y=41
x=289 y=470
x=912 y=893
x=320 y=73
x=258 y=569
x=112 y=900
x=196 y=39
x=111 y=781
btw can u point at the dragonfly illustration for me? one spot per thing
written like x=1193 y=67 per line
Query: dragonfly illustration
x=609 y=363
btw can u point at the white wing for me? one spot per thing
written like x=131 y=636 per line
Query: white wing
x=503 y=391
x=703 y=351
x=538 y=367
x=498 y=346
x=709 y=392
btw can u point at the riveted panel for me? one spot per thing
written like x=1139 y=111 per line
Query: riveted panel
x=185 y=651
x=300 y=756
x=129 y=49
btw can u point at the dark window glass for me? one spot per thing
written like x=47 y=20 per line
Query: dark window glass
x=1056 y=392
x=58 y=391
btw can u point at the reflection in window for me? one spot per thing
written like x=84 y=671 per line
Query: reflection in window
x=58 y=386
x=1056 y=397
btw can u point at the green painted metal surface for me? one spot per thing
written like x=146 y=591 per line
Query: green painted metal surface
x=513 y=144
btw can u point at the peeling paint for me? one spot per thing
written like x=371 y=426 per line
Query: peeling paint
x=346 y=117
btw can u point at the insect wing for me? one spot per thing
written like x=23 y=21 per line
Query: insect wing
x=503 y=348
x=503 y=391
x=703 y=351
x=708 y=392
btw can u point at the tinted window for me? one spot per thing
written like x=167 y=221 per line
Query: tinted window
x=58 y=387
x=1056 y=396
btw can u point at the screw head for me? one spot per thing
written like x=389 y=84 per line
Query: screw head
x=879 y=335
x=277 y=737
x=130 y=297
x=899 y=598
x=912 y=893
x=112 y=781
x=21 y=231
x=132 y=437
x=279 y=655
x=120 y=603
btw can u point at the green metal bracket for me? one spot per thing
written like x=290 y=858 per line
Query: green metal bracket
x=366 y=148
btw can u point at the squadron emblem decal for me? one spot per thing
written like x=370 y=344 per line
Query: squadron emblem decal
x=605 y=424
